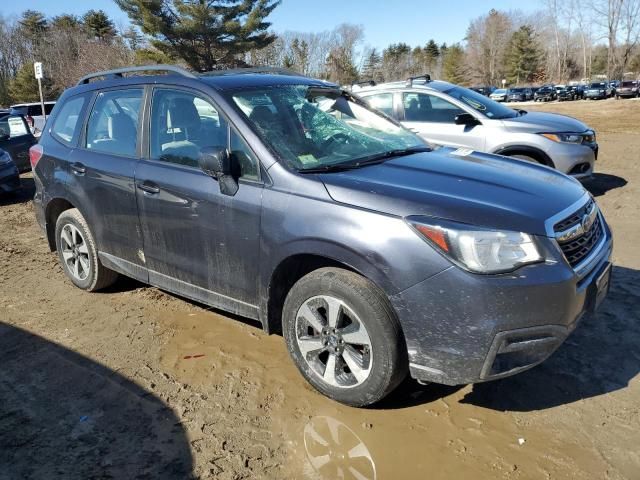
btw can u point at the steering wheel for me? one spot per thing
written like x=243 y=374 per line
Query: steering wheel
x=337 y=137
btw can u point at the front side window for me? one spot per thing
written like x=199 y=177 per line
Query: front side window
x=113 y=123
x=420 y=107
x=382 y=102
x=319 y=127
x=182 y=124
x=66 y=126
x=12 y=126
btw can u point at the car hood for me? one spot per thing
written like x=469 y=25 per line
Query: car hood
x=460 y=185
x=544 y=122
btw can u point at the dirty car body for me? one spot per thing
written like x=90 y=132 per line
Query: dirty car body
x=397 y=217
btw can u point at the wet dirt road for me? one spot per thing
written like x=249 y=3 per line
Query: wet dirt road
x=136 y=383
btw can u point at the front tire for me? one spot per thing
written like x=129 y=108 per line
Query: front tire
x=78 y=253
x=344 y=337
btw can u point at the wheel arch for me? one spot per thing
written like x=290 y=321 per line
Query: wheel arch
x=533 y=152
x=54 y=208
x=296 y=265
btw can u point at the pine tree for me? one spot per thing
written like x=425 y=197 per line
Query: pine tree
x=65 y=22
x=33 y=23
x=206 y=35
x=522 y=57
x=98 y=25
x=372 y=65
x=432 y=49
x=453 y=67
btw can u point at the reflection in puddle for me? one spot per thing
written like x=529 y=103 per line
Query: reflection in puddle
x=335 y=451
x=248 y=378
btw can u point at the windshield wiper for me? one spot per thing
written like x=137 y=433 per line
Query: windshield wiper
x=363 y=162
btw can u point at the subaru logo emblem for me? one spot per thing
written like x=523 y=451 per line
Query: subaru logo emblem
x=588 y=220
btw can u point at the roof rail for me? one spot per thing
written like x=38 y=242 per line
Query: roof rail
x=364 y=83
x=118 y=72
x=250 y=70
x=426 y=77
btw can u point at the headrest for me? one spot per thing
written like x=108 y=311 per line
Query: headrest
x=183 y=114
x=261 y=115
x=121 y=126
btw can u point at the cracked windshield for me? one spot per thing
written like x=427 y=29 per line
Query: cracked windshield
x=319 y=127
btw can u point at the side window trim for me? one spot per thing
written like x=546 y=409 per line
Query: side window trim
x=82 y=140
x=146 y=152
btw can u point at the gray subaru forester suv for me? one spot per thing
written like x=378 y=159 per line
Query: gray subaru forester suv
x=288 y=200
x=446 y=114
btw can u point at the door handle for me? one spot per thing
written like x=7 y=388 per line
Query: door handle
x=78 y=168
x=149 y=188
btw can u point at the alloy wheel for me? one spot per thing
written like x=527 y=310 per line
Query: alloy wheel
x=333 y=341
x=75 y=252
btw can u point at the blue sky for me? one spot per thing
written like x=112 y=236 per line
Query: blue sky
x=410 y=21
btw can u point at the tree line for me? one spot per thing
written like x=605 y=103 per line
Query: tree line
x=564 y=40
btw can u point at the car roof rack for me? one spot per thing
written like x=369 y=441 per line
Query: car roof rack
x=250 y=70
x=118 y=72
x=364 y=83
x=426 y=77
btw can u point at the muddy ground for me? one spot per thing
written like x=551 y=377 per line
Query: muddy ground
x=136 y=383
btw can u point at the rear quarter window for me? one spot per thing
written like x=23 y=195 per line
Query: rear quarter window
x=66 y=126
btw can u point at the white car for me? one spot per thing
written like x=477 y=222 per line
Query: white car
x=33 y=113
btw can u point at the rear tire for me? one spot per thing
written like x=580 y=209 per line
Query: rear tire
x=78 y=253
x=344 y=337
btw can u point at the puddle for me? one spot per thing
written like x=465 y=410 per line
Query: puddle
x=420 y=432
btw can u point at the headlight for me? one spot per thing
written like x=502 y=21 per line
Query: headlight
x=564 y=137
x=477 y=249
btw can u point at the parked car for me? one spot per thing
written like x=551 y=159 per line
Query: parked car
x=288 y=200
x=9 y=175
x=499 y=95
x=449 y=115
x=578 y=91
x=486 y=90
x=628 y=89
x=598 y=90
x=544 y=94
x=33 y=113
x=565 y=94
x=519 y=94
x=16 y=138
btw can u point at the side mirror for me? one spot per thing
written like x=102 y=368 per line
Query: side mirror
x=216 y=162
x=466 y=119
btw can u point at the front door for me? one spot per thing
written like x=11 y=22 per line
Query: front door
x=433 y=118
x=197 y=241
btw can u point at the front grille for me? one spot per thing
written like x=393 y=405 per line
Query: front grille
x=577 y=249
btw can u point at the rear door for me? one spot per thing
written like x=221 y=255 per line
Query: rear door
x=16 y=138
x=101 y=172
x=433 y=118
x=197 y=241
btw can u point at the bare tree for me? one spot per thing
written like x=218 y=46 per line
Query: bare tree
x=608 y=14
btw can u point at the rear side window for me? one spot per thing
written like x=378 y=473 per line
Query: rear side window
x=382 y=102
x=67 y=125
x=48 y=107
x=113 y=123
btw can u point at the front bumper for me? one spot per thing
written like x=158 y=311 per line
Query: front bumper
x=595 y=95
x=576 y=160
x=495 y=325
x=9 y=178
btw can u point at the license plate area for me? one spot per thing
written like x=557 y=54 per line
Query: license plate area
x=600 y=288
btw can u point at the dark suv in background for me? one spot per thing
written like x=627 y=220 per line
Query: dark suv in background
x=290 y=201
x=628 y=89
